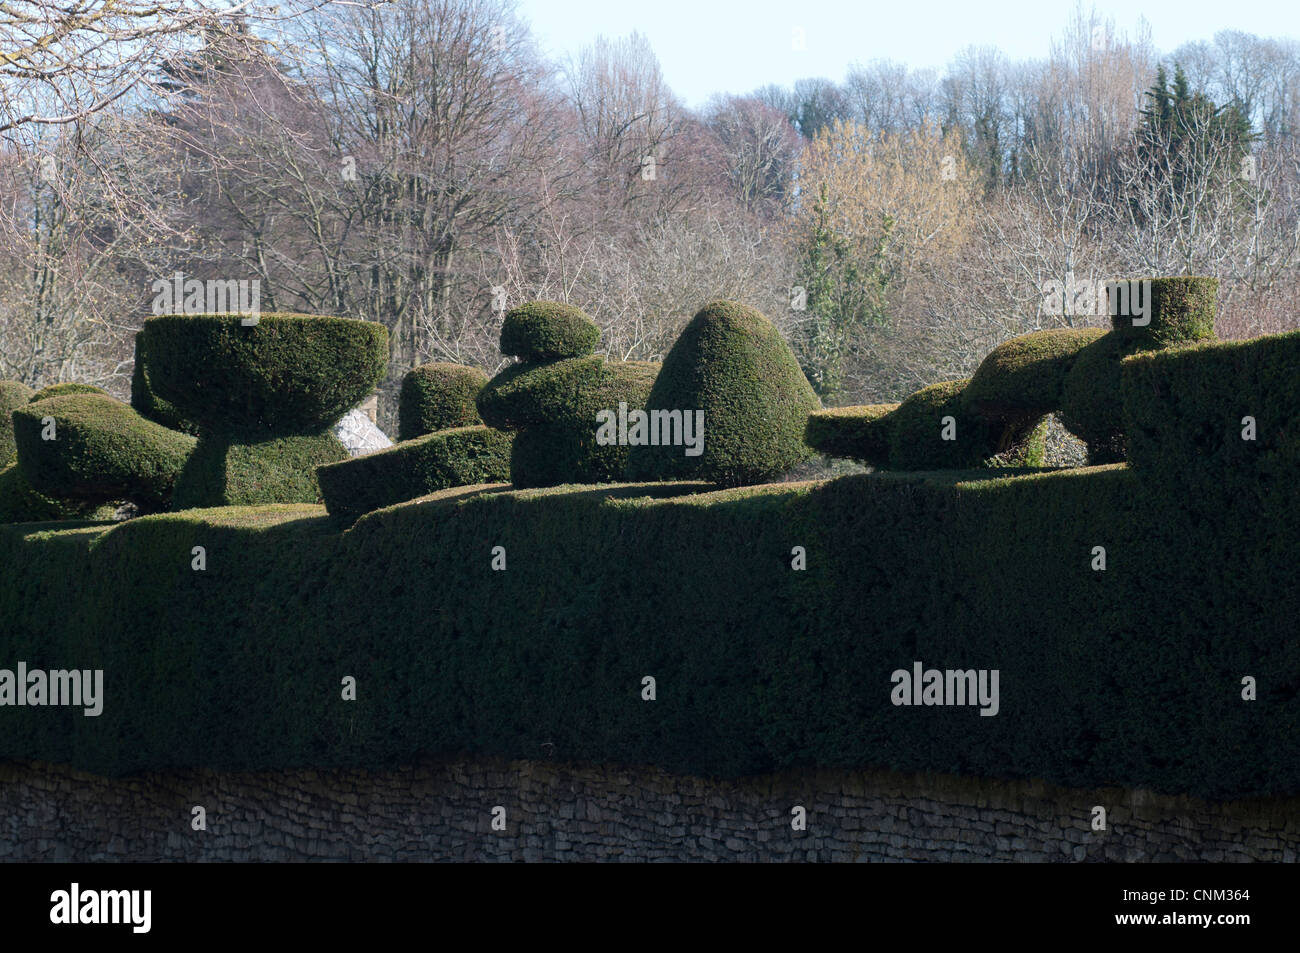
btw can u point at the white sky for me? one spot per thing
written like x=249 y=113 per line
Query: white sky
x=711 y=46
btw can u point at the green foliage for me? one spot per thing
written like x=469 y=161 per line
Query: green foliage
x=19 y=503
x=1091 y=405
x=64 y=388
x=1182 y=310
x=13 y=394
x=414 y=468
x=288 y=374
x=844 y=295
x=548 y=331
x=1186 y=408
x=1023 y=379
x=102 y=451
x=1133 y=678
x=858 y=433
x=143 y=399
x=553 y=407
x=438 y=397
x=224 y=471
x=731 y=363
x=918 y=427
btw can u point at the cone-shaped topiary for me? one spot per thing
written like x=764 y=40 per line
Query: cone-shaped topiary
x=731 y=363
x=93 y=448
x=459 y=456
x=13 y=394
x=66 y=387
x=438 y=397
x=286 y=374
x=548 y=331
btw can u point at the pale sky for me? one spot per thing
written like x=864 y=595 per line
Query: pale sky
x=711 y=46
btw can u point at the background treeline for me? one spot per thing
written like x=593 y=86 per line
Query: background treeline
x=422 y=164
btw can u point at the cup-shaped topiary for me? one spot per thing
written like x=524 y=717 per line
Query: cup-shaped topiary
x=732 y=364
x=287 y=374
x=438 y=397
x=548 y=331
x=94 y=448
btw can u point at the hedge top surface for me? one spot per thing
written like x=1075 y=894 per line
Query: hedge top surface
x=438 y=396
x=64 y=388
x=731 y=363
x=1024 y=375
x=288 y=374
x=1182 y=309
x=548 y=331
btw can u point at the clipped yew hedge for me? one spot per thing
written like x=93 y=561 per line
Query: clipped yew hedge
x=463 y=456
x=436 y=397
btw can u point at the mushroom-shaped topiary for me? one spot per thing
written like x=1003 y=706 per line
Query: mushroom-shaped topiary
x=13 y=394
x=548 y=331
x=96 y=449
x=438 y=397
x=732 y=364
x=264 y=396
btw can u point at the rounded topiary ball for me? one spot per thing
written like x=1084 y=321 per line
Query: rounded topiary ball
x=13 y=394
x=287 y=374
x=438 y=397
x=548 y=331
x=731 y=363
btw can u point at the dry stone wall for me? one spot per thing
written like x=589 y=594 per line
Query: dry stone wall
x=444 y=811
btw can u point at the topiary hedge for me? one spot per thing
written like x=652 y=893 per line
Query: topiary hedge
x=143 y=399
x=731 y=363
x=1181 y=311
x=1022 y=379
x=288 y=374
x=857 y=433
x=19 y=503
x=99 y=450
x=13 y=394
x=64 y=388
x=413 y=468
x=548 y=331
x=224 y=471
x=438 y=397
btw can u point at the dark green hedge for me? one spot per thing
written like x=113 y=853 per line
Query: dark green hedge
x=226 y=472
x=288 y=374
x=857 y=433
x=1182 y=310
x=19 y=503
x=414 y=468
x=438 y=397
x=143 y=399
x=731 y=363
x=13 y=394
x=553 y=406
x=102 y=451
x=1022 y=379
x=1091 y=400
x=1125 y=677
x=548 y=331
